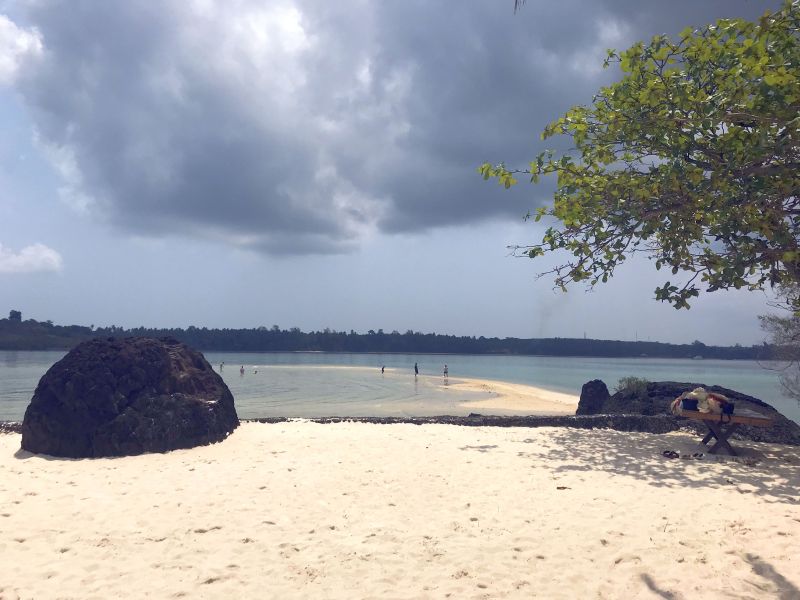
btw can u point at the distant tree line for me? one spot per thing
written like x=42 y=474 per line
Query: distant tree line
x=16 y=334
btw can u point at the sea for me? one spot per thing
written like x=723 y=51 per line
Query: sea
x=318 y=384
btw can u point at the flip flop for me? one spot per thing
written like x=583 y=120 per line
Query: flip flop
x=698 y=455
x=670 y=454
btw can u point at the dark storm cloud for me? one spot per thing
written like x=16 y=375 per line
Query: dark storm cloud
x=301 y=127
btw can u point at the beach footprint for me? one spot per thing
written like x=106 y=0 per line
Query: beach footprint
x=8 y=594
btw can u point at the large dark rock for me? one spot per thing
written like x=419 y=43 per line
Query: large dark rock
x=659 y=394
x=594 y=395
x=128 y=396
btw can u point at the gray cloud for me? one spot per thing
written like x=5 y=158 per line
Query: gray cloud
x=301 y=127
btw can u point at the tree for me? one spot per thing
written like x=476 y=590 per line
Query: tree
x=784 y=333
x=15 y=315
x=691 y=159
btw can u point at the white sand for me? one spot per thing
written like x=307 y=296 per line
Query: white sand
x=514 y=397
x=302 y=510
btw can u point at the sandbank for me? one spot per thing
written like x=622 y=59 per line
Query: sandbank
x=515 y=397
x=352 y=510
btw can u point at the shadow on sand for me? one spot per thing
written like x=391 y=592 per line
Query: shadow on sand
x=771 y=472
x=785 y=589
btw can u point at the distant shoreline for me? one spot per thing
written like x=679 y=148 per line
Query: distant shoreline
x=454 y=353
x=16 y=334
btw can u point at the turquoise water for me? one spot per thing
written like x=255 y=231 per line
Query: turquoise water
x=321 y=384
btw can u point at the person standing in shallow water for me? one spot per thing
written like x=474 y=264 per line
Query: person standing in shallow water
x=416 y=370
x=241 y=371
x=446 y=373
x=383 y=368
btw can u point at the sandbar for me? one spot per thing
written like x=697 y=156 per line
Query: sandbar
x=352 y=510
x=515 y=397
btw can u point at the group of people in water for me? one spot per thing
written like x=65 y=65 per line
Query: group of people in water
x=241 y=369
x=446 y=372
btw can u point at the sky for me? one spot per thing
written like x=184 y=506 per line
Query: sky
x=312 y=164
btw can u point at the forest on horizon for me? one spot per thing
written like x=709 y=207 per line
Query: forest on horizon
x=16 y=334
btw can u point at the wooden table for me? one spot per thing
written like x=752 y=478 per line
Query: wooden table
x=720 y=427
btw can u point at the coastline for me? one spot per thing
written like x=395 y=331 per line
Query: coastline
x=296 y=510
x=460 y=394
x=551 y=373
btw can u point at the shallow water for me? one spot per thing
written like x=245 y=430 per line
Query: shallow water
x=322 y=384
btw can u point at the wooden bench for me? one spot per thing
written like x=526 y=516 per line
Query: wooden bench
x=720 y=427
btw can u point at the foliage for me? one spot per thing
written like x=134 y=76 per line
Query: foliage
x=33 y=335
x=632 y=385
x=692 y=159
x=784 y=333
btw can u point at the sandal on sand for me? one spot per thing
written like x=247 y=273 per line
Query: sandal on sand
x=698 y=455
x=670 y=454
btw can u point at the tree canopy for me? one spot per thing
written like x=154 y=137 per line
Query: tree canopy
x=691 y=159
x=36 y=335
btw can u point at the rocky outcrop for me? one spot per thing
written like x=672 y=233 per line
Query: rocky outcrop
x=10 y=427
x=657 y=424
x=594 y=395
x=658 y=396
x=618 y=422
x=128 y=396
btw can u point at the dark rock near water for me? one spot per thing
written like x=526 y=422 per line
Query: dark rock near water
x=10 y=427
x=658 y=396
x=594 y=395
x=128 y=396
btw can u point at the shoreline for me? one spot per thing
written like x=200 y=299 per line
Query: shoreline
x=503 y=398
x=753 y=380
x=299 y=510
x=484 y=354
x=651 y=424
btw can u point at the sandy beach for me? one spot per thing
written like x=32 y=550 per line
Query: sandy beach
x=353 y=510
